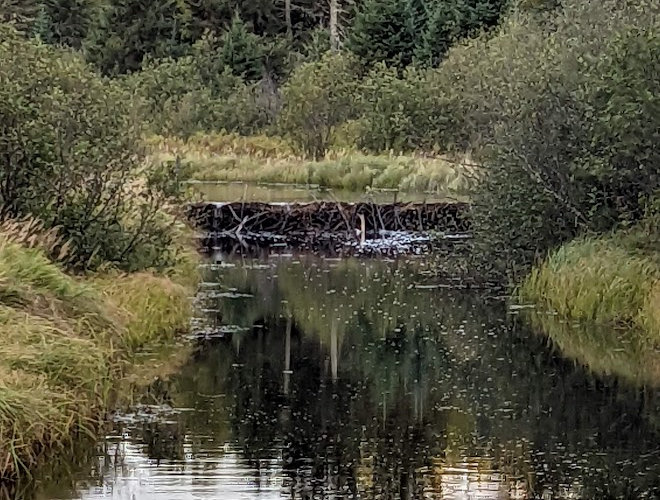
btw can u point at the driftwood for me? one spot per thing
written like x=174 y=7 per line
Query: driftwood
x=328 y=217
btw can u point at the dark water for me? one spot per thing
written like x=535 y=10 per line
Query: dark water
x=337 y=379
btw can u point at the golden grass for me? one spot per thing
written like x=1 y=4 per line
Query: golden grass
x=67 y=341
x=265 y=159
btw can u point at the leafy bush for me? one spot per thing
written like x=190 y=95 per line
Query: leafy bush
x=403 y=111
x=200 y=92
x=564 y=120
x=318 y=98
x=71 y=157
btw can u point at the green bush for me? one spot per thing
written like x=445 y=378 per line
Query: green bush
x=562 y=109
x=319 y=97
x=200 y=92
x=71 y=157
x=403 y=111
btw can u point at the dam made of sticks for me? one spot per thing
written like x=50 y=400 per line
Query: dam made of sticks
x=341 y=227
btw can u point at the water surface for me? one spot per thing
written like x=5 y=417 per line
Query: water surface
x=336 y=379
x=290 y=193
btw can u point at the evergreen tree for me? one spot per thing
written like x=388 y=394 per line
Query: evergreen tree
x=242 y=51
x=22 y=14
x=385 y=30
x=451 y=20
x=444 y=25
x=134 y=29
x=71 y=21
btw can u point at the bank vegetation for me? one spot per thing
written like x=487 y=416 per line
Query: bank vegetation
x=546 y=111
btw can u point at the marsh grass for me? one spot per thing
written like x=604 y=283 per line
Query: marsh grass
x=157 y=309
x=66 y=341
x=270 y=160
x=612 y=280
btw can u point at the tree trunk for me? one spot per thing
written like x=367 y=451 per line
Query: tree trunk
x=334 y=25
x=287 y=17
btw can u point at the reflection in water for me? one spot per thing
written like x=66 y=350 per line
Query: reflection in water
x=362 y=379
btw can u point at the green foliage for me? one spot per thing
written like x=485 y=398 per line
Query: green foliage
x=241 y=51
x=61 y=22
x=318 y=98
x=71 y=22
x=399 y=32
x=71 y=157
x=403 y=111
x=135 y=29
x=450 y=21
x=198 y=93
x=538 y=105
x=385 y=30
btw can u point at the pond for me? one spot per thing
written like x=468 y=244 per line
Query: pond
x=291 y=193
x=335 y=379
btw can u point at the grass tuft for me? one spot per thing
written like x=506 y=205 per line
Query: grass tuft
x=609 y=280
x=66 y=341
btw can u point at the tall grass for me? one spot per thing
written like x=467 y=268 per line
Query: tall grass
x=605 y=280
x=264 y=159
x=65 y=342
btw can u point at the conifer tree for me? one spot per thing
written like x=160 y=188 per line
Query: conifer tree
x=384 y=30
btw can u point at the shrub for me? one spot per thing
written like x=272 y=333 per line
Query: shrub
x=318 y=98
x=563 y=120
x=200 y=92
x=402 y=111
x=71 y=157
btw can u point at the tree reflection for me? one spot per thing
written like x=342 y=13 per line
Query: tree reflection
x=359 y=379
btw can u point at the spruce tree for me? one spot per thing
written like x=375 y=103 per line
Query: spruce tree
x=135 y=29
x=385 y=30
x=241 y=50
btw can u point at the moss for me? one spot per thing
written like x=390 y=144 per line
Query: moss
x=66 y=342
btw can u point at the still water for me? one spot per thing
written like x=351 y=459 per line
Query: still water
x=337 y=379
x=290 y=193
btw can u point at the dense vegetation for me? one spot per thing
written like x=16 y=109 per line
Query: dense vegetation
x=558 y=100
x=553 y=105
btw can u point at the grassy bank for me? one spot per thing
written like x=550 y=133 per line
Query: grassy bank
x=611 y=284
x=267 y=159
x=67 y=341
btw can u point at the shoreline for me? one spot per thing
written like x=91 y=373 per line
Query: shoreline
x=607 y=289
x=72 y=342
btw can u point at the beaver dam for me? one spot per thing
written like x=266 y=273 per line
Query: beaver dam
x=341 y=227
